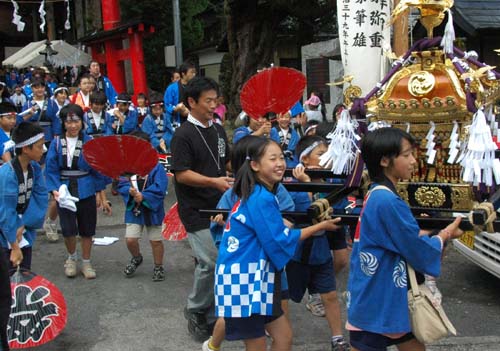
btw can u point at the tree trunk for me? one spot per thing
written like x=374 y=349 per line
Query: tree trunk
x=251 y=36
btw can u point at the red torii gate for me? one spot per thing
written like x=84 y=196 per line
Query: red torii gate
x=107 y=47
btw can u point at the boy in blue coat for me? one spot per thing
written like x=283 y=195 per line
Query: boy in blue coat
x=23 y=195
x=67 y=166
x=288 y=138
x=7 y=123
x=122 y=120
x=144 y=212
x=95 y=119
x=173 y=98
x=157 y=126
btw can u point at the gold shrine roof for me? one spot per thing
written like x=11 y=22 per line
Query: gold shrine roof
x=431 y=88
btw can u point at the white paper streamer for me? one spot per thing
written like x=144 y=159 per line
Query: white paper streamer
x=478 y=162
x=342 y=151
x=67 y=24
x=431 y=153
x=41 y=11
x=454 y=144
x=16 y=19
x=449 y=35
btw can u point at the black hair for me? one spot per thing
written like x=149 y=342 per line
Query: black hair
x=325 y=128
x=197 y=86
x=70 y=108
x=155 y=98
x=140 y=134
x=38 y=81
x=306 y=141
x=239 y=152
x=98 y=97
x=23 y=132
x=123 y=96
x=5 y=92
x=142 y=95
x=185 y=67
x=336 y=109
x=85 y=75
x=246 y=177
x=383 y=142
x=6 y=107
x=63 y=87
x=94 y=61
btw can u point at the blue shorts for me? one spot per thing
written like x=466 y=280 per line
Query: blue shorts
x=336 y=239
x=317 y=279
x=367 y=341
x=252 y=327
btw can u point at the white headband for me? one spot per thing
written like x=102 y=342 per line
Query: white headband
x=123 y=101
x=30 y=141
x=60 y=89
x=309 y=149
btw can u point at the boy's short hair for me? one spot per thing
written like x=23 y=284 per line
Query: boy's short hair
x=197 y=86
x=383 y=142
x=6 y=107
x=184 y=67
x=38 y=82
x=98 y=97
x=123 y=98
x=23 y=132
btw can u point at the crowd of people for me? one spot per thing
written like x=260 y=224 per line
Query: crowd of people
x=248 y=265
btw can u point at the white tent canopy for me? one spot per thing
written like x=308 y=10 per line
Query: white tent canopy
x=67 y=55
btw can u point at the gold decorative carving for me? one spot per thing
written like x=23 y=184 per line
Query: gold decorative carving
x=421 y=83
x=430 y=196
x=351 y=93
x=461 y=197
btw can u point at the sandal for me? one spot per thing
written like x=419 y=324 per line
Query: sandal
x=132 y=266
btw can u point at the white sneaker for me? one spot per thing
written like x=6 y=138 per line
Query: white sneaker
x=50 y=228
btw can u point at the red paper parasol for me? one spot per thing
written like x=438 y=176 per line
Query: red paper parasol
x=38 y=311
x=274 y=89
x=173 y=229
x=118 y=155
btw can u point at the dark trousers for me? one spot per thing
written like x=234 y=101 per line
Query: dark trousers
x=5 y=300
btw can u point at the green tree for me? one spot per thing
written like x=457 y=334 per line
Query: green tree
x=254 y=27
x=159 y=12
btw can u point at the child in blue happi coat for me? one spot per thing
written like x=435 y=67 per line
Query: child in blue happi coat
x=157 y=126
x=388 y=238
x=123 y=119
x=260 y=126
x=288 y=138
x=143 y=198
x=254 y=249
x=23 y=195
x=95 y=119
x=23 y=201
x=77 y=188
x=7 y=123
x=227 y=201
x=312 y=266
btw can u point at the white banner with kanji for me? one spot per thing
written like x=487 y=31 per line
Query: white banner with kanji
x=363 y=31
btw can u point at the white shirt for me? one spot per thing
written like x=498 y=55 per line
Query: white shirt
x=314 y=116
x=97 y=118
x=71 y=149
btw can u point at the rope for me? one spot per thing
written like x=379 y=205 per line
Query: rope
x=488 y=224
x=325 y=210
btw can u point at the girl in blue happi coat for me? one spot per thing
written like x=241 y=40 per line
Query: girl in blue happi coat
x=157 y=126
x=82 y=193
x=23 y=195
x=254 y=249
x=42 y=110
x=143 y=198
x=388 y=238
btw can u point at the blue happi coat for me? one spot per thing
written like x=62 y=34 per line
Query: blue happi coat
x=151 y=128
x=49 y=121
x=151 y=209
x=34 y=214
x=6 y=144
x=241 y=132
x=255 y=245
x=129 y=125
x=386 y=238
x=88 y=185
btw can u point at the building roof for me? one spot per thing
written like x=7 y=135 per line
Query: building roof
x=476 y=15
